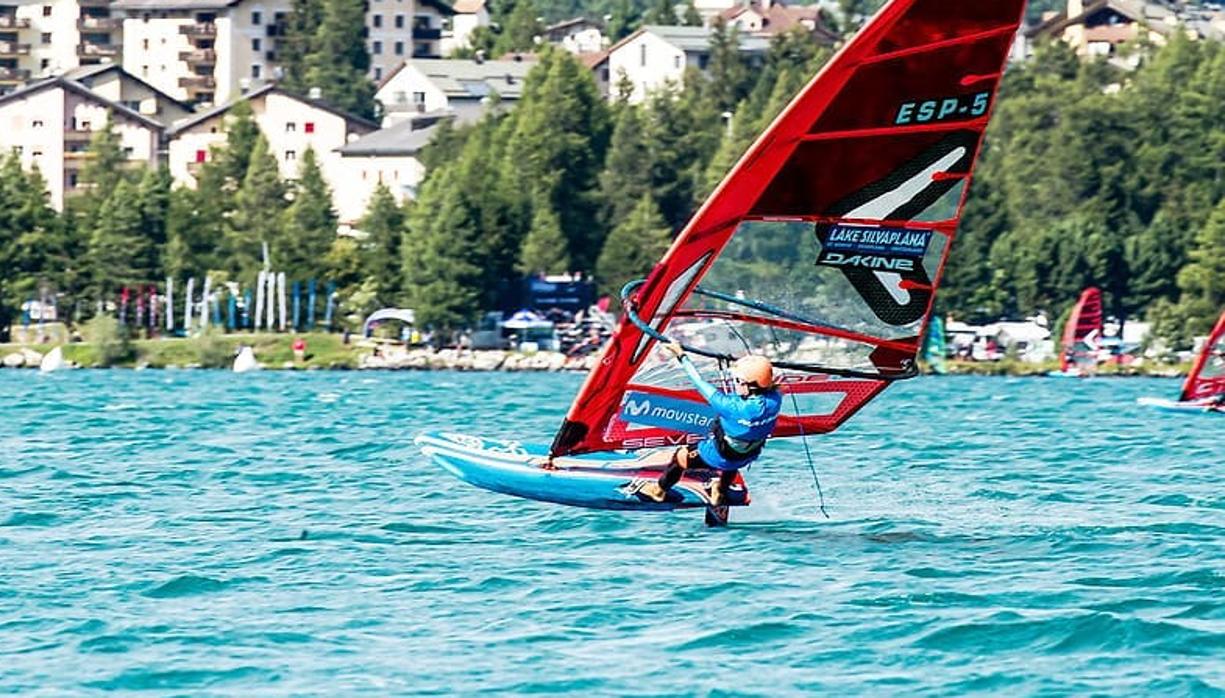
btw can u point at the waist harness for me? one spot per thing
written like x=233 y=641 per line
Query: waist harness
x=733 y=449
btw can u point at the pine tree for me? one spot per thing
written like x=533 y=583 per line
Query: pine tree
x=442 y=276
x=1203 y=279
x=153 y=203
x=626 y=176
x=257 y=217
x=338 y=61
x=104 y=162
x=297 y=44
x=34 y=247
x=544 y=248
x=691 y=17
x=310 y=224
x=556 y=147
x=730 y=79
x=662 y=12
x=229 y=164
x=521 y=29
x=382 y=258
x=633 y=247
x=117 y=246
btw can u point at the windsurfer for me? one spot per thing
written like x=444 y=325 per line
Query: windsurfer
x=745 y=419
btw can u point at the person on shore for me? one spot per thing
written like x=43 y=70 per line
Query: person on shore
x=299 y=349
x=744 y=420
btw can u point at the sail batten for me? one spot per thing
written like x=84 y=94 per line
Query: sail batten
x=823 y=247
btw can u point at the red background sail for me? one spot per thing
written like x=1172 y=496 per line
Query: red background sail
x=1199 y=385
x=921 y=77
x=1086 y=318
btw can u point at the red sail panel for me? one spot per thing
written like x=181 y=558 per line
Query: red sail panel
x=1084 y=326
x=823 y=247
x=1207 y=377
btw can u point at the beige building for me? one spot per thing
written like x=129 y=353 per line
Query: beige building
x=292 y=124
x=41 y=39
x=202 y=51
x=1099 y=28
x=50 y=124
x=656 y=57
x=388 y=157
x=401 y=29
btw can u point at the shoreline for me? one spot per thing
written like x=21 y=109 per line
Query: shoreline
x=328 y=352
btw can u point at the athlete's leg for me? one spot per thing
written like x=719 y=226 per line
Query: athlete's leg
x=658 y=490
x=718 y=493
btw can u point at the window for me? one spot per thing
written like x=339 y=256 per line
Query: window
x=377 y=21
x=290 y=155
x=37 y=153
x=144 y=44
x=46 y=10
x=418 y=98
x=127 y=153
x=84 y=126
x=399 y=48
x=676 y=62
x=201 y=156
x=17 y=150
x=642 y=54
x=309 y=127
x=378 y=73
x=399 y=21
x=38 y=123
x=46 y=37
x=144 y=70
x=290 y=127
x=376 y=47
x=256 y=17
x=255 y=70
x=72 y=180
x=256 y=45
x=44 y=63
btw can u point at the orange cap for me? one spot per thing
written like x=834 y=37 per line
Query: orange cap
x=754 y=370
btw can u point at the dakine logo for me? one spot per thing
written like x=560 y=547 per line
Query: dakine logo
x=883 y=249
x=837 y=259
x=666 y=413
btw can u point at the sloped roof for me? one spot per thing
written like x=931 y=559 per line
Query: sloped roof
x=138 y=5
x=77 y=88
x=691 y=39
x=467 y=78
x=468 y=7
x=401 y=139
x=780 y=17
x=260 y=91
x=86 y=74
x=1153 y=15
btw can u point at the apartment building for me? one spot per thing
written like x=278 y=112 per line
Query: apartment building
x=41 y=39
x=401 y=29
x=51 y=122
x=290 y=122
x=469 y=14
x=202 y=51
x=387 y=157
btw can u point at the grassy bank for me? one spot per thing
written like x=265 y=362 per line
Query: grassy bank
x=1014 y=367
x=211 y=351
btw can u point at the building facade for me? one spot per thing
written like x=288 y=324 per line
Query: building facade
x=51 y=122
x=656 y=57
x=292 y=125
x=202 y=51
x=463 y=87
x=401 y=29
x=42 y=39
x=469 y=14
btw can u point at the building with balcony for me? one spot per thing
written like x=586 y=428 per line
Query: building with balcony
x=400 y=30
x=50 y=123
x=43 y=39
x=469 y=14
x=291 y=123
x=202 y=51
x=460 y=86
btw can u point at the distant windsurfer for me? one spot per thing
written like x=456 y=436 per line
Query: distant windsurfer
x=744 y=420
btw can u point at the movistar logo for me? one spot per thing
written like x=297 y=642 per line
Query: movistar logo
x=637 y=408
x=667 y=413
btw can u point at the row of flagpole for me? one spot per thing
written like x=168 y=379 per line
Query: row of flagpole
x=270 y=310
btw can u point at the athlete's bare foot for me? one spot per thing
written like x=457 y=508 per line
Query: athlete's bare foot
x=653 y=492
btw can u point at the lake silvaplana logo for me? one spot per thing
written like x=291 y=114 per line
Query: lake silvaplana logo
x=666 y=413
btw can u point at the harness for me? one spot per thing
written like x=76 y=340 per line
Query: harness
x=733 y=449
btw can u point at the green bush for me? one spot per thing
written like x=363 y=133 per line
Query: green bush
x=213 y=350
x=109 y=340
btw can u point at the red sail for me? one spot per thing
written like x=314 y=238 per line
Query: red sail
x=1083 y=328
x=824 y=245
x=1207 y=377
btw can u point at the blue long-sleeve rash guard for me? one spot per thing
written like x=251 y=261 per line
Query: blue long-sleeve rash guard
x=749 y=418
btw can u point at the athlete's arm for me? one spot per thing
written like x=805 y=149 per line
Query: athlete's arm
x=707 y=390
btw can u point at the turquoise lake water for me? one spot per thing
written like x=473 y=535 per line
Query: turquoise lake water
x=204 y=533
